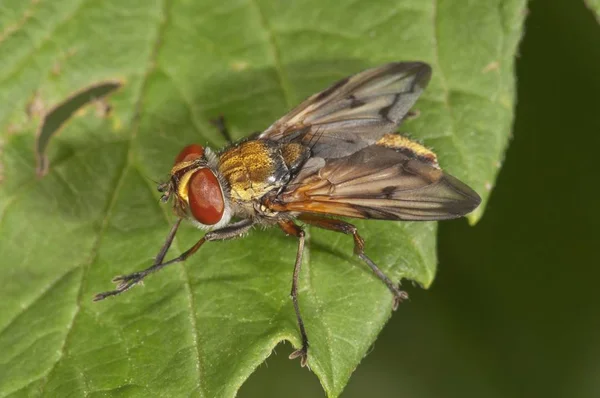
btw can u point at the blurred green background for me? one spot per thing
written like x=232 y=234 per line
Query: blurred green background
x=515 y=308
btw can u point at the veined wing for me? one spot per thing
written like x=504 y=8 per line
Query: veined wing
x=379 y=182
x=354 y=112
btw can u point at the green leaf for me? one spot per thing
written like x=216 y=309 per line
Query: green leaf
x=202 y=327
x=594 y=5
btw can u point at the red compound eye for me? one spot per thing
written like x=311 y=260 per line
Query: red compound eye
x=205 y=197
x=190 y=152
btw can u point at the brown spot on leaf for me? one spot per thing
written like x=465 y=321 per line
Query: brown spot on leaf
x=56 y=68
x=58 y=64
x=1 y=162
x=495 y=65
x=35 y=107
x=103 y=108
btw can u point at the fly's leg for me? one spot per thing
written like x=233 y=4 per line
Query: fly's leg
x=157 y=264
x=412 y=114
x=219 y=123
x=292 y=229
x=359 y=245
x=126 y=282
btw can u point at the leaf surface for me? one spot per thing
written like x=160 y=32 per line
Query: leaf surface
x=201 y=328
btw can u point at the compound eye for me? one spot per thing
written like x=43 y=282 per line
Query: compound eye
x=205 y=197
x=189 y=153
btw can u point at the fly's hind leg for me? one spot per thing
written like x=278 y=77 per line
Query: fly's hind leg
x=292 y=229
x=359 y=245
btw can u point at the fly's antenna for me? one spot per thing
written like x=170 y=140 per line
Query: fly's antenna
x=151 y=179
x=161 y=187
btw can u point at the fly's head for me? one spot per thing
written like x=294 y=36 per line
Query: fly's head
x=196 y=190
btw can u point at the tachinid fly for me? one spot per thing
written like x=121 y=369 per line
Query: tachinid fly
x=335 y=155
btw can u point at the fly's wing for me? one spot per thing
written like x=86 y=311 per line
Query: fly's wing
x=378 y=182
x=354 y=112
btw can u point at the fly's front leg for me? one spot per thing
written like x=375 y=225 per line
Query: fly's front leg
x=292 y=229
x=359 y=246
x=126 y=282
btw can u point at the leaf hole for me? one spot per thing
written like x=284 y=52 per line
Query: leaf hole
x=56 y=118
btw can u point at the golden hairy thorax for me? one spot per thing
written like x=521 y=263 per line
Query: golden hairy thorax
x=253 y=168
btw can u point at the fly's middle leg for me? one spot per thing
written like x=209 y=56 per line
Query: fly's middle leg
x=359 y=245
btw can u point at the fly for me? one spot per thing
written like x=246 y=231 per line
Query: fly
x=334 y=155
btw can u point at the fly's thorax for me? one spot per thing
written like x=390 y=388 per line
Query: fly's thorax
x=255 y=167
x=294 y=155
x=201 y=193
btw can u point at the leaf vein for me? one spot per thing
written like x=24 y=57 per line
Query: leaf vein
x=12 y=29
x=273 y=46
x=86 y=265
x=46 y=39
x=110 y=205
x=35 y=300
x=190 y=297
x=199 y=125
